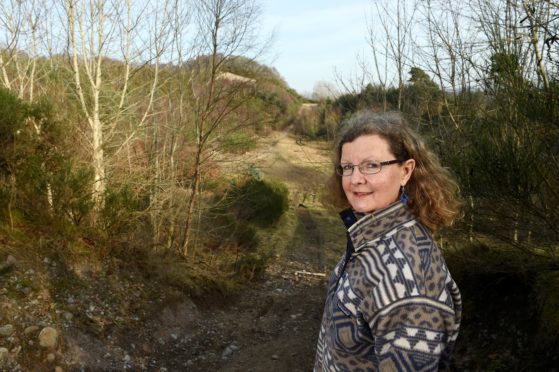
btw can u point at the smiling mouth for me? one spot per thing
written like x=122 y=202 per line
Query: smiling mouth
x=361 y=194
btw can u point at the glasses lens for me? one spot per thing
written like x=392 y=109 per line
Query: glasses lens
x=344 y=169
x=369 y=167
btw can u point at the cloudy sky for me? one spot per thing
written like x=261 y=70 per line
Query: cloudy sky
x=315 y=37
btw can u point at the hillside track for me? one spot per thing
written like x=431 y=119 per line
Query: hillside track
x=274 y=324
x=271 y=325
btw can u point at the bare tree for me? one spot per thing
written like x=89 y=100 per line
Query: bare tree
x=541 y=22
x=23 y=26
x=397 y=21
x=98 y=31
x=447 y=51
x=225 y=29
x=379 y=50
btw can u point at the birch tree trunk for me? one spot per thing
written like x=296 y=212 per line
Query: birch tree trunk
x=98 y=30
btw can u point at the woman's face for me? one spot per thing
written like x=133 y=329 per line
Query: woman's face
x=371 y=192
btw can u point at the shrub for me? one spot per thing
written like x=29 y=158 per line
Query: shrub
x=260 y=202
x=121 y=206
x=252 y=265
x=38 y=176
x=71 y=190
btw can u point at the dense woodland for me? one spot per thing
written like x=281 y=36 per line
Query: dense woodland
x=116 y=129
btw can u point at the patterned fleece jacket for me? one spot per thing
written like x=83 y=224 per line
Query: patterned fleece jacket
x=391 y=304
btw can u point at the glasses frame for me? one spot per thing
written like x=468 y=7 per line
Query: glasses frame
x=340 y=172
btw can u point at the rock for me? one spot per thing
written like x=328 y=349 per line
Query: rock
x=48 y=338
x=11 y=260
x=51 y=357
x=68 y=316
x=4 y=354
x=7 y=330
x=31 y=329
x=227 y=352
x=275 y=357
x=230 y=349
x=58 y=369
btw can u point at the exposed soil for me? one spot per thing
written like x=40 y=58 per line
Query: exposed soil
x=270 y=326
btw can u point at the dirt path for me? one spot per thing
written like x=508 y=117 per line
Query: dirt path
x=273 y=325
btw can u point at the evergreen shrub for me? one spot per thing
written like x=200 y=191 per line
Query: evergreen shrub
x=260 y=202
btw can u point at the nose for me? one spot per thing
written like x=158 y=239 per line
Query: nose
x=357 y=177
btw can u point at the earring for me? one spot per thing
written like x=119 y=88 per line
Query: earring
x=403 y=196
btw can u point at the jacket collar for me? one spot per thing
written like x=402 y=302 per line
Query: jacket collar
x=373 y=226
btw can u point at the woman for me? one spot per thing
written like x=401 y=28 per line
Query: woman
x=392 y=304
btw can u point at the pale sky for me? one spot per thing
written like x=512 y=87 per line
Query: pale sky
x=314 y=37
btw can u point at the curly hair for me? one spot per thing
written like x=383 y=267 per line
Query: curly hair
x=433 y=193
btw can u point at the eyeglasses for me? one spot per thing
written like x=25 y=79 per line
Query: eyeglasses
x=365 y=167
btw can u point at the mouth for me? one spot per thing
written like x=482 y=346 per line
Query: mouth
x=361 y=194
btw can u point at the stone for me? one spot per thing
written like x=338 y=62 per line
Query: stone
x=7 y=330
x=11 y=261
x=48 y=338
x=68 y=316
x=58 y=369
x=51 y=357
x=275 y=357
x=31 y=329
x=226 y=353
x=4 y=354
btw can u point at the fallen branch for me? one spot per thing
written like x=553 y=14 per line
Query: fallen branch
x=303 y=272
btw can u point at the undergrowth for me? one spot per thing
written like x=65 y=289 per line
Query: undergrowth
x=509 y=308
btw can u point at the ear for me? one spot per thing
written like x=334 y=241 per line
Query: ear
x=407 y=169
